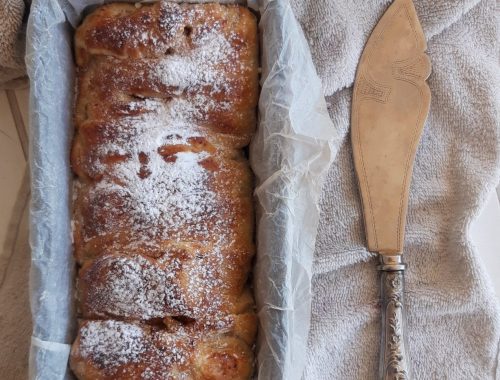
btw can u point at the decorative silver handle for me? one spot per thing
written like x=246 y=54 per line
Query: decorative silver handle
x=394 y=360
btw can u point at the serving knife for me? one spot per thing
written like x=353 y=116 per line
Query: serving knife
x=391 y=100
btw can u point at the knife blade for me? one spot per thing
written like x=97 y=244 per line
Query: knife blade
x=391 y=101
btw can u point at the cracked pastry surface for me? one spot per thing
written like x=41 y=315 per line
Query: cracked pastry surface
x=163 y=215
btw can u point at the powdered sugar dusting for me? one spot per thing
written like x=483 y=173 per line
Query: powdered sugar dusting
x=135 y=287
x=112 y=342
x=158 y=190
x=162 y=187
x=157 y=179
x=172 y=197
x=160 y=180
x=200 y=67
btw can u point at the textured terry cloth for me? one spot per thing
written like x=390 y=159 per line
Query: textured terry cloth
x=12 y=68
x=453 y=317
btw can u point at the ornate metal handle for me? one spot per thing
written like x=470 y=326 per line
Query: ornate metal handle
x=394 y=360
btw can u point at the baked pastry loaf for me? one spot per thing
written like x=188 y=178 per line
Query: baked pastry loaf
x=163 y=215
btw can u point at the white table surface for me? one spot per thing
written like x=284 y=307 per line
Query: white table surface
x=14 y=252
x=485 y=234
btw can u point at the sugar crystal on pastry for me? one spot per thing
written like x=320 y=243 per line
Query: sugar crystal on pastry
x=163 y=215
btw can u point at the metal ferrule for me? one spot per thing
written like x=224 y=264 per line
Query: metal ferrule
x=391 y=263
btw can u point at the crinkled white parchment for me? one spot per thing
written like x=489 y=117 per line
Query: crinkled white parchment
x=290 y=155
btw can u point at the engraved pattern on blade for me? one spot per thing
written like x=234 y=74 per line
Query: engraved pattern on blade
x=391 y=101
x=369 y=89
x=394 y=365
x=390 y=105
x=412 y=70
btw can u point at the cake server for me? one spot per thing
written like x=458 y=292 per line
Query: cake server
x=390 y=104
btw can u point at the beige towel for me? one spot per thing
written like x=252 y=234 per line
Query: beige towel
x=453 y=317
x=12 y=68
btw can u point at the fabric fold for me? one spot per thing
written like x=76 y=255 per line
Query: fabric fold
x=337 y=31
x=12 y=41
x=453 y=316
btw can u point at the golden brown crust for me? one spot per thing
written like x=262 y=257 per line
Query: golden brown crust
x=109 y=350
x=129 y=50
x=105 y=214
x=163 y=215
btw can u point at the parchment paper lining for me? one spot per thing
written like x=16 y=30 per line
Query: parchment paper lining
x=290 y=155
